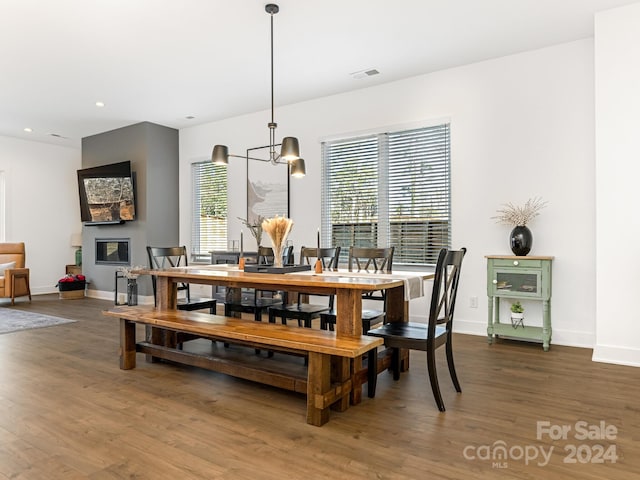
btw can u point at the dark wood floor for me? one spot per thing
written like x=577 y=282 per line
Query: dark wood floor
x=67 y=411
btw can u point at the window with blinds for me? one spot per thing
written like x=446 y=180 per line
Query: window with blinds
x=389 y=189
x=2 y=207
x=209 y=225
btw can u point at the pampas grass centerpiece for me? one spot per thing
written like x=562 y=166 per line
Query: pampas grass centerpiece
x=278 y=229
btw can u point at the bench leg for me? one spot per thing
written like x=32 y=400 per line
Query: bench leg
x=341 y=373
x=318 y=382
x=356 y=392
x=155 y=336
x=127 y=344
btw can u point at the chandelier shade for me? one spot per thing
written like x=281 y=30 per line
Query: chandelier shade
x=290 y=149
x=220 y=155
x=297 y=168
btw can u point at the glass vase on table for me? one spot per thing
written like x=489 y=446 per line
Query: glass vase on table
x=277 y=255
x=132 y=291
x=278 y=229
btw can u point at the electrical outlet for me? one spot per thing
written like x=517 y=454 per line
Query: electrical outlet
x=473 y=302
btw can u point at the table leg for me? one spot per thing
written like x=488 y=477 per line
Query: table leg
x=349 y=313
x=233 y=296
x=166 y=293
x=349 y=324
x=397 y=309
x=166 y=299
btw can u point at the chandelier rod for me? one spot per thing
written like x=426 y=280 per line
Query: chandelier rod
x=272 y=9
x=272 y=94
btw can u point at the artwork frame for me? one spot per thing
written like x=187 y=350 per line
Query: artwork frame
x=267 y=188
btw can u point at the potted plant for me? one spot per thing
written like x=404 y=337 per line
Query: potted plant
x=72 y=286
x=517 y=314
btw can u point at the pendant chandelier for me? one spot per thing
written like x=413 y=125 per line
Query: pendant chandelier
x=289 y=148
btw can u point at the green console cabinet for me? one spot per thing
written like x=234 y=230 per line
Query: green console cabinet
x=519 y=278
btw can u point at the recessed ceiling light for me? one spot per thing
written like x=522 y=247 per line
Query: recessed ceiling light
x=28 y=130
x=100 y=104
x=189 y=117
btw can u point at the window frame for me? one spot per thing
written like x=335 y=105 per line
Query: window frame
x=391 y=151
x=200 y=253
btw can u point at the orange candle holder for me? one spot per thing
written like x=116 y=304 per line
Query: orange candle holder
x=318 y=266
x=241 y=263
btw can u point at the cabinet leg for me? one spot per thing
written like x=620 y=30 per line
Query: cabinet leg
x=546 y=324
x=490 y=322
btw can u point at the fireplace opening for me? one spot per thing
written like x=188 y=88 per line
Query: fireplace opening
x=113 y=251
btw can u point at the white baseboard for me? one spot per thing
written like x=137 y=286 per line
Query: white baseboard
x=102 y=295
x=44 y=290
x=616 y=355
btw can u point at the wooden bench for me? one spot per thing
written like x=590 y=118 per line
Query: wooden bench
x=330 y=376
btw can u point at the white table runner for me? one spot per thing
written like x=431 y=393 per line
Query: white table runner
x=413 y=283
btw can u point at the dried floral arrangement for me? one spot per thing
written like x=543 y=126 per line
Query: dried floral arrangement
x=519 y=216
x=277 y=228
x=127 y=272
x=255 y=228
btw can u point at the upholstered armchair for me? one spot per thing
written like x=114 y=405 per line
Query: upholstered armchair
x=14 y=277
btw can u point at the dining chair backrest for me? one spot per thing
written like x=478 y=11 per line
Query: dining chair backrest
x=287 y=255
x=265 y=255
x=328 y=256
x=375 y=259
x=445 y=289
x=167 y=257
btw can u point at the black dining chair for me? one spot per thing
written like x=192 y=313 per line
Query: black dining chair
x=303 y=312
x=429 y=337
x=259 y=301
x=166 y=257
x=365 y=259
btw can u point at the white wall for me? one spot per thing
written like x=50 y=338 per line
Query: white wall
x=521 y=126
x=617 y=93
x=42 y=210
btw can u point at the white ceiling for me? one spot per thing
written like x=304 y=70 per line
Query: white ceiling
x=164 y=60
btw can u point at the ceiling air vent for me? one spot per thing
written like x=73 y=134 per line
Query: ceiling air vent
x=365 y=73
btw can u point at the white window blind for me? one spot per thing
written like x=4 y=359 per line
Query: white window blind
x=389 y=189
x=209 y=225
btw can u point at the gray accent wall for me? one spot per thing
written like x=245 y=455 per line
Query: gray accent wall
x=153 y=152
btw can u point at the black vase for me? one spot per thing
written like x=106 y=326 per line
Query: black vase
x=521 y=240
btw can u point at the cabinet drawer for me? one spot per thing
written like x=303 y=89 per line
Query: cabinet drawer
x=503 y=262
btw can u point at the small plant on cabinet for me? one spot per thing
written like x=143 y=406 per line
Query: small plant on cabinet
x=517 y=315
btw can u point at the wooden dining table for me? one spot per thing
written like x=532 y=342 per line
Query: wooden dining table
x=348 y=288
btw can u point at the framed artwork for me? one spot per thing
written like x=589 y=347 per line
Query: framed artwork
x=267 y=189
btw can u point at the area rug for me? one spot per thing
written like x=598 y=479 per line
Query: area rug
x=13 y=320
